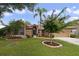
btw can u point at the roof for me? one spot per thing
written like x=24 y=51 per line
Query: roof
x=31 y=26
x=71 y=27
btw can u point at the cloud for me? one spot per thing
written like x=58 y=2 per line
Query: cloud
x=1 y=26
x=73 y=10
x=74 y=7
x=50 y=12
x=73 y=18
x=20 y=12
x=7 y=14
x=69 y=10
x=30 y=12
x=76 y=12
x=57 y=11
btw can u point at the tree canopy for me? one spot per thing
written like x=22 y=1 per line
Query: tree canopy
x=55 y=23
x=11 y=7
x=15 y=26
x=40 y=13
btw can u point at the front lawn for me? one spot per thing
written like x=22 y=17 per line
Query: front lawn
x=33 y=47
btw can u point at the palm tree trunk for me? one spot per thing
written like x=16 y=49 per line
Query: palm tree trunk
x=50 y=36
x=40 y=26
x=24 y=30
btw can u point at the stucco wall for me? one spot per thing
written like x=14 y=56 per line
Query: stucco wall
x=64 y=33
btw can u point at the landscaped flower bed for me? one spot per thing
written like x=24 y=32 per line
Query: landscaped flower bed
x=51 y=43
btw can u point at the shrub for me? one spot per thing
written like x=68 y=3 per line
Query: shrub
x=73 y=35
x=1 y=38
x=2 y=32
x=77 y=36
x=53 y=36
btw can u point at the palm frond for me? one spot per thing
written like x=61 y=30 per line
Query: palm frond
x=35 y=15
x=52 y=13
x=44 y=16
x=64 y=18
x=61 y=12
x=2 y=23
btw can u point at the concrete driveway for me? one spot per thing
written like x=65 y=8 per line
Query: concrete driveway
x=70 y=40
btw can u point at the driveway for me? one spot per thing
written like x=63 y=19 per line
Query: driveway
x=70 y=40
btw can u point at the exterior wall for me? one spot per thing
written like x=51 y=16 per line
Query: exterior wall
x=29 y=32
x=21 y=31
x=64 y=33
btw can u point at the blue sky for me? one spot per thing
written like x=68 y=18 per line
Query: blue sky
x=72 y=10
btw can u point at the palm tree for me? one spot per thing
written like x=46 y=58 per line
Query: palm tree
x=55 y=23
x=40 y=12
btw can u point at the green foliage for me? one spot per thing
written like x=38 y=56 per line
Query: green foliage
x=51 y=26
x=2 y=32
x=14 y=26
x=74 y=22
x=26 y=22
x=74 y=36
x=11 y=7
x=40 y=12
x=2 y=38
x=55 y=23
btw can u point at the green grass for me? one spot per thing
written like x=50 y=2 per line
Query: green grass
x=33 y=47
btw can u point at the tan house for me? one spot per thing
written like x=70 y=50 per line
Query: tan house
x=34 y=30
x=66 y=32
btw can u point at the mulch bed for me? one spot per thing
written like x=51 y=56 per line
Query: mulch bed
x=52 y=43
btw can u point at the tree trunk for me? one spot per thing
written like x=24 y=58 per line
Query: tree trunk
x=51 y=36
x=24 y=30
x=40 y=26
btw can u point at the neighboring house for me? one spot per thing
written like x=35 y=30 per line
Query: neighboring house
x=67 y=31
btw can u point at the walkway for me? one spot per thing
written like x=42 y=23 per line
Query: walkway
x=70 y=40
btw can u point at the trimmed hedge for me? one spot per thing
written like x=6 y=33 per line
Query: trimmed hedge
x=2 y=32
x=74 y=36
x=1 y=38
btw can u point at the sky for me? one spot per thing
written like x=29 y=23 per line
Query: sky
x=72 y=10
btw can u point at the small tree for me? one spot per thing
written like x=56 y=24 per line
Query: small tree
x=14 y=26
x=55 y=23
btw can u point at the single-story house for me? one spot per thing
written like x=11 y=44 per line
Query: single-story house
x=31 y=30
x=35 y=29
